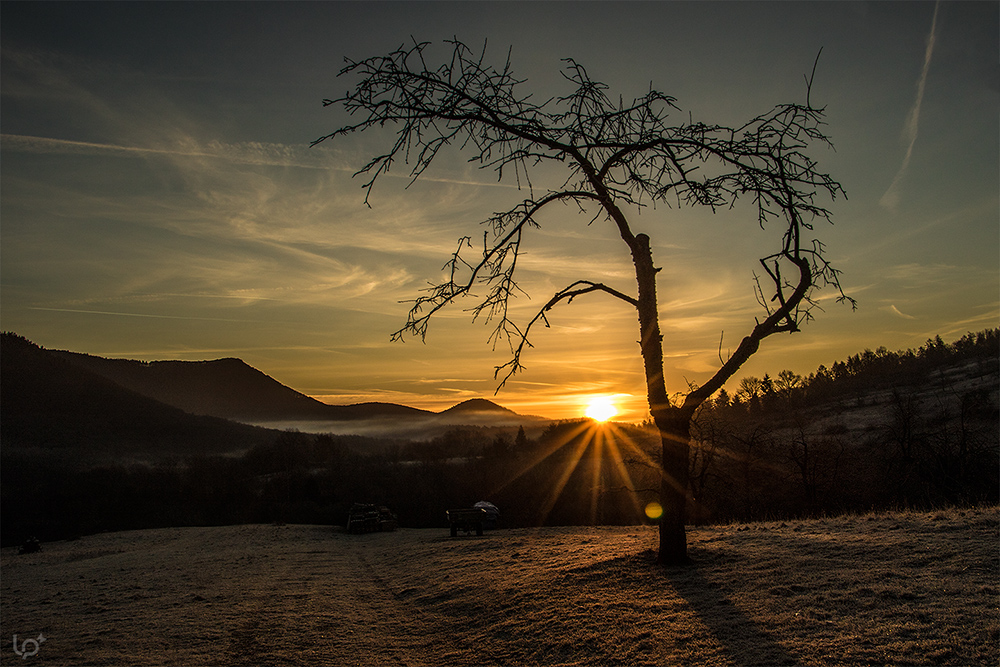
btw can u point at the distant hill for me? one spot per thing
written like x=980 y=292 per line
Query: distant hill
x=233 y=390
x=227 y=388
x=50 y=403
x=479 y=406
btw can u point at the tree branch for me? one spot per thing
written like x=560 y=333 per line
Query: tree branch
x=569 y=293
x=495 y=268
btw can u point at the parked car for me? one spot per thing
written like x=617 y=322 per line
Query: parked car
x=369 y=518
x=466 y=519
x=492 y=513
x=481 y=515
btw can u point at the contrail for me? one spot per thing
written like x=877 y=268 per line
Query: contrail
x=890 y=199
x=254 y=153
x=160 y=317
x=30 y=144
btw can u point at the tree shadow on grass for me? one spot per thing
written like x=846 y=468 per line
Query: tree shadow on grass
x=742 y=639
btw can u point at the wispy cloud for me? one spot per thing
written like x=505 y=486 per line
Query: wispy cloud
x=890 y=199
x=895 y=311
x=922 y=275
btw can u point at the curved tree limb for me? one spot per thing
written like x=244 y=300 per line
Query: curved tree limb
x=495 y=268
x=578 y=288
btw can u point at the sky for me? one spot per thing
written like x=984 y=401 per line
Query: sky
x=159 y=198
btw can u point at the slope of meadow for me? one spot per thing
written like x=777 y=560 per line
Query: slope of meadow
x=884 y=588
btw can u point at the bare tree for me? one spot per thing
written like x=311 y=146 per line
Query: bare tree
x=617 y=158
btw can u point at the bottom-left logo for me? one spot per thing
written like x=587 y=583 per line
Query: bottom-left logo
x=29 y=647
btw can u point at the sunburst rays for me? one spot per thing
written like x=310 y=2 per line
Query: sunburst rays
x=597 y=457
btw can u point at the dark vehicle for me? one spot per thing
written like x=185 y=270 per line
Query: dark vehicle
x=30 y=546
x=368 y=518
x=467 y=519
x=387 y=521
x=492 y=514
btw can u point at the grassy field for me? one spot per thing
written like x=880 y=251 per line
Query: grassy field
x=880 y=589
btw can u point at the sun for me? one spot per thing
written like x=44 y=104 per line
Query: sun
x=601 y=409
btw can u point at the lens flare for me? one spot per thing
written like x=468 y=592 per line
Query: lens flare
x=601 y=409
x=654 y=510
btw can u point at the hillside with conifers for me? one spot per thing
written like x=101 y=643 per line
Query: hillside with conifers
x=914 y=428
x=879 y=429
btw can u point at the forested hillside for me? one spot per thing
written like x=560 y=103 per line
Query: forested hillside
x=910 y=428
x=882 y=429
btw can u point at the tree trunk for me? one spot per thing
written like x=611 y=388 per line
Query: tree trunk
x=673 y=423
x=675 y=435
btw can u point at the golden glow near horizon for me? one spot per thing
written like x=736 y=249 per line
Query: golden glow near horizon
x=601 y=409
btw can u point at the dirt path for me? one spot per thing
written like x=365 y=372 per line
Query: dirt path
x=217 y=596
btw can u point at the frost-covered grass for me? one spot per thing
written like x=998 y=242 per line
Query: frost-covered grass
x=887 y=588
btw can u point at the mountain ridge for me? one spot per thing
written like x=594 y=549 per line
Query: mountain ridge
x=230 y=388
x=51 y=403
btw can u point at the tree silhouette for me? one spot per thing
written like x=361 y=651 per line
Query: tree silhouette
x=618 y=158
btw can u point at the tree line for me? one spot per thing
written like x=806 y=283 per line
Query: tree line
x=861 y=373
